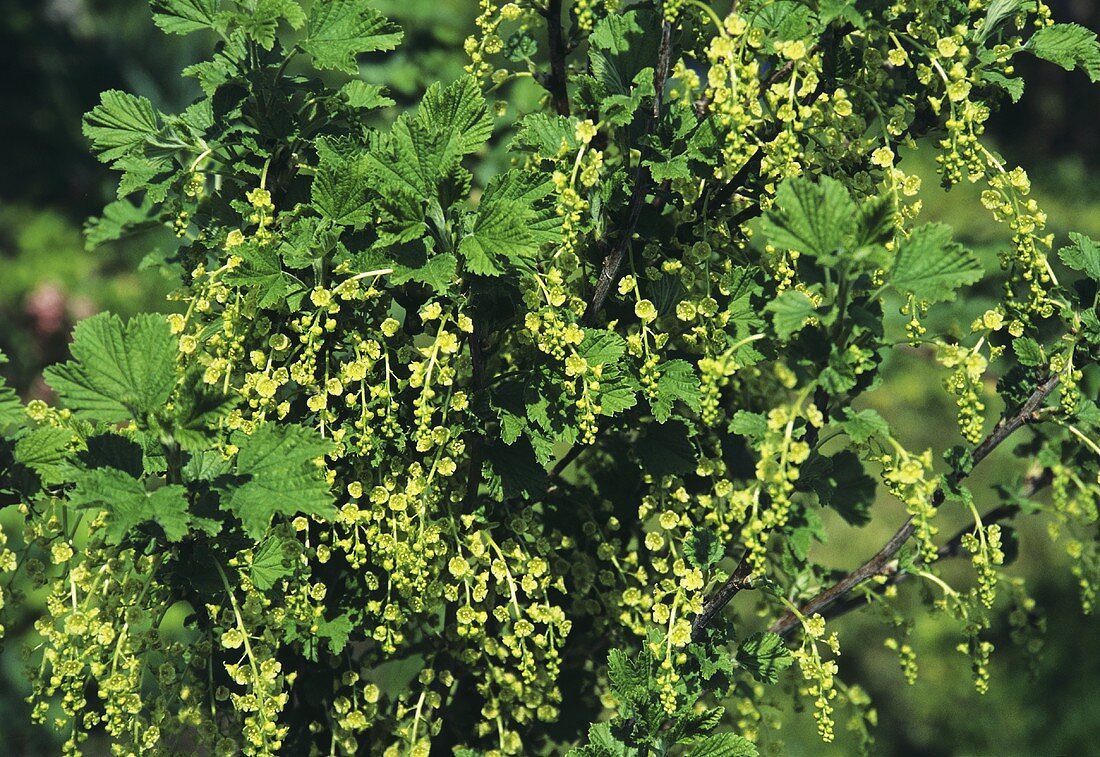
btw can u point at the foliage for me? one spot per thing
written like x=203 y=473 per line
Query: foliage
x=49 y=282
x=433 y=438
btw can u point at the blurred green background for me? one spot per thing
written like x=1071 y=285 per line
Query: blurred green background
x=57 y=55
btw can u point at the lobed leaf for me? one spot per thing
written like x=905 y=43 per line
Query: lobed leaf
x=184 y=16
x=281 y=476
x=339 y=30
x=1083 y=255
x=129 y=505
x=764 y=655
x=120 y=124
x=500 y=238
x=930 y=267
x=1069 y=46
x=119 y=371
x=677 y=381
x=813 y=218
x=790 y=311
x=11 y=409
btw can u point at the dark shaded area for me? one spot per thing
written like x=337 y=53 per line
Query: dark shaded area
x=57 y=56
x=1056 y=118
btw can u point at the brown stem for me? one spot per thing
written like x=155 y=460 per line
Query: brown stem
x=950 y=548
x=738 y=580
x=789 y=622
x=557 y=83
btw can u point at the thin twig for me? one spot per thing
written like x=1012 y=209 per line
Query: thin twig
x=726 y=192
x=614 y=259
x=573 y=453
x=741 y=578
x=478 y=350
x=1026 y=413
x=951 y=548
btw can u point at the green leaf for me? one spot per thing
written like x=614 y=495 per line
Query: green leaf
x=406 y=169
x=785 y=19
x=119 y=218
x=1083 y=255
x=270 y=563
x=546 y=135
x=623 y=45
x=336 y=632
x=704 y=547
x=998 y=12
x=261 y=21
x=716 y=665
x=1014 y=86
x=930 y=267
x=421 y=151
x=120 y=124
x=363 y=96
x=692 y=726
x=44 y=450
x=764 y=655
x=619 y=109
x=225 y=64
x=282 y=477
x=119 y=371
x=875 y=223
x=437 y=271
x=676 y=168
x=262 y=272
x=1028 y=351
x=790 y=311
x=812 y=218
x=339 y=189
x=841 y=484
x=500 y=238
x=704 y=143
x=459 y=110
x=141 y=173
x=197 y=413
x=616 y=32
x=752 y=426
x=184 y=16
x=129 y=505
x=535 y=194
x=602 y=742
x=520 y=45
x=829 y=11
x=339 y=30
x=618 y=391
x=863 y=426
x=11 y=409
x=1069 y=46
x=631 y=680
x=601 y=347
x=724 y=745
x=677 y=381
x=1088 y=413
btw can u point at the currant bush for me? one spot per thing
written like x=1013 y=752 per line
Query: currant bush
x=469 y=423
